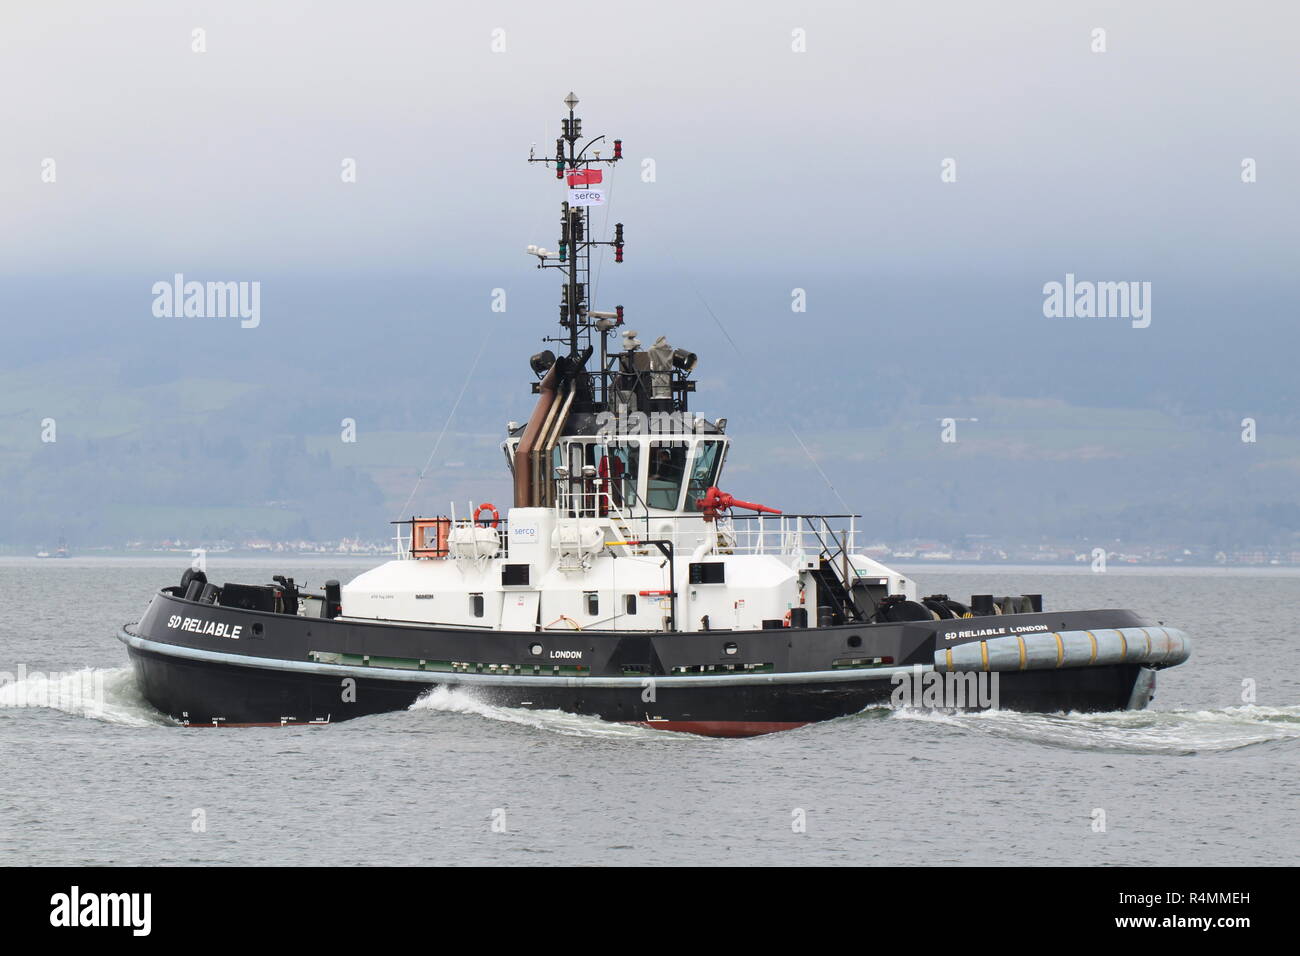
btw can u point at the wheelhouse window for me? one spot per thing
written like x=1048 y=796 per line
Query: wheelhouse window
x=616 y=472
x=704 y=471
x=667 y=469
x=600 y=475
x=577 y=488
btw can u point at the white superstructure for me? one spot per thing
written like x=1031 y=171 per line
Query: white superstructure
x=625 y=547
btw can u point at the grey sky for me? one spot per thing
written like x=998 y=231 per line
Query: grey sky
x=228 y=162
x=775 y=170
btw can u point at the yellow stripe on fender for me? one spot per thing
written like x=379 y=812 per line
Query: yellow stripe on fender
x=984 y=654
x=1092 y=637
x=1021 y=641
x=1060 y=650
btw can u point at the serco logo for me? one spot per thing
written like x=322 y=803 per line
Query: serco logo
x=524 y=532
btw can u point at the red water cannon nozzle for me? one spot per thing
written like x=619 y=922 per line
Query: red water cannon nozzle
x=716 y=500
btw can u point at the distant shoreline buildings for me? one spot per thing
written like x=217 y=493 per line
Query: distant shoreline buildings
x=1117 y=553
x=927 y=551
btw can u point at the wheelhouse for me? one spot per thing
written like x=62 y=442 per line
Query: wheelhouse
x=633 y=476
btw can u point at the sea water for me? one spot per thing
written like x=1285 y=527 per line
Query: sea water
x=1208 y=775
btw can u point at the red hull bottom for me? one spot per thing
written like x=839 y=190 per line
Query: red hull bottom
x=276 y=723
x=702 y=728
x=723 y=728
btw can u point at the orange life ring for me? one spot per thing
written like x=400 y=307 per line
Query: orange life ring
x=487 y=506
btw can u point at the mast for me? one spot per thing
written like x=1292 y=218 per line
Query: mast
x=629 y=381
x=575 y=164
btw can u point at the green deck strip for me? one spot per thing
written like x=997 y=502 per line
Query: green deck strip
x=728 y=668
x=849 y=663
x=450 y=667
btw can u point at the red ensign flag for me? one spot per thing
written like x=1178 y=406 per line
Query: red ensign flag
x=583 y=177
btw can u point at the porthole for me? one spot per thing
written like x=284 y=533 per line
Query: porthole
x=257 y=628
x=730 y=647
x=855 y=640
x=536 y=650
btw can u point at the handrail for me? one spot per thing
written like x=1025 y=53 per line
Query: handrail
x=406 y=543
x=734 y=533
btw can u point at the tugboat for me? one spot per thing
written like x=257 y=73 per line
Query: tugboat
x=624 y=582
x=60 y=552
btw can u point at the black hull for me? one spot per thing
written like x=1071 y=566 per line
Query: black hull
x=206 y=692
x=207 y=665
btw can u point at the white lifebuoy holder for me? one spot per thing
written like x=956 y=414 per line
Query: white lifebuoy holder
x=487 y=506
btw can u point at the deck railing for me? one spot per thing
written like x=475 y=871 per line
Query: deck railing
x=833 y=536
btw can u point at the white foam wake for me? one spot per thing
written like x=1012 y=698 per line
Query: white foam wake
x=1132 y=731
x=107 y=694
x=456 y=700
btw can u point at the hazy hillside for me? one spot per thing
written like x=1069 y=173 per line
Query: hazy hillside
x=199 y=429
